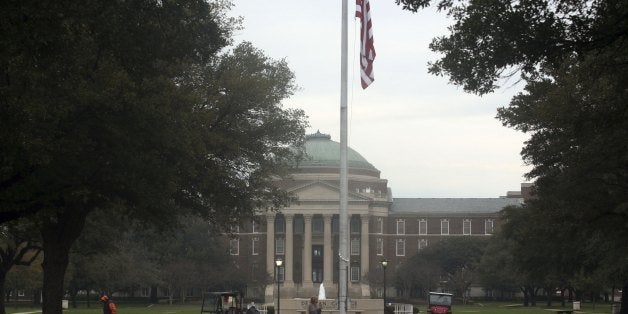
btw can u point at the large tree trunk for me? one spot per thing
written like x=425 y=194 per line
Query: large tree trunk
x=624 y=299
x=526 y=296
x=153 y=295
x=2 y=292
x=58 y=236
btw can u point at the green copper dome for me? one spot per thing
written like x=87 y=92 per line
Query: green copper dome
x=321 y=151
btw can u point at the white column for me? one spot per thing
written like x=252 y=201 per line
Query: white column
x=288 y=263
x=328 y=271
x=270 y=244
x=307 y=251
x=364 y=247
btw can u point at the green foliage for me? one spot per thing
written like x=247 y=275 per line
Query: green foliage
x=497 y=268
x=454 y=259
x=494 y=39
x=134 y=108
x=573 y=58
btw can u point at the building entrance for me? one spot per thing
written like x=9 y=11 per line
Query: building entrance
x=317 y=263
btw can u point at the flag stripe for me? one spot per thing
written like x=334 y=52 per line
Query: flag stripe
x=367 y=50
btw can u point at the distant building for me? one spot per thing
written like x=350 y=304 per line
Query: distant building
x=305 y=234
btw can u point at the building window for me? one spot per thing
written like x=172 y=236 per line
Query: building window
x=379 y=225
x=355 y=273
x=422 y=243
x=355 y=246
x=234 y=246
x=401 y=226
x=280 y=248
x=488 y=226
x=254 y=271
x=254 y=227
x=317 y=225
x=379 y=247
x=444 y=226
x=255 y=246
x=280 y=225
x=317 y=275
x=280 y=273
x=298 y=225
x=401 y=247
x=355 y=224
x=466 y=227
x=422 y=226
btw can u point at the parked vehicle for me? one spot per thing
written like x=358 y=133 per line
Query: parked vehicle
x=226 y=302
x=439 y=303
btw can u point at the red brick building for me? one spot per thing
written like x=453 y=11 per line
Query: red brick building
x=304 y=235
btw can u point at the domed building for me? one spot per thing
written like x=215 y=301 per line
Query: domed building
x=304 y=235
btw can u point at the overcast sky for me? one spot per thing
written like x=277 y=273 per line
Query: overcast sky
x=426 y=136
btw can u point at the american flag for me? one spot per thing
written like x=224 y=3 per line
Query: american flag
x=367 y=50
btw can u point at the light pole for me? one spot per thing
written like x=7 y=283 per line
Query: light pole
x=278 y=263
x=384 y=264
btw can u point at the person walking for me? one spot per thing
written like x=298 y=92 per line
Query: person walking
x=314 y=307
x=108 y=306
x=252 y=309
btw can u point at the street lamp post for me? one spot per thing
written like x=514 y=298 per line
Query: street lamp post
x=384 y=264
x=278 y=263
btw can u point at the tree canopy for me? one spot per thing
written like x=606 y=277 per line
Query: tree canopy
x=139 y=109
x=573 y=58
x=493 y=39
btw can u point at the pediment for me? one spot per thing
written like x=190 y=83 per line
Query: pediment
x=322 y=191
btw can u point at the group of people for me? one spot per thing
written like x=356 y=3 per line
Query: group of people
x=313 y=308
x=110 y=308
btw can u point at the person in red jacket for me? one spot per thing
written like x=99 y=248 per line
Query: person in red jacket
x=108 y=306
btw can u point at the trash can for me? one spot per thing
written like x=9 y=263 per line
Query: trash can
x=615 y=307
x=576 y=305
x=64 y=304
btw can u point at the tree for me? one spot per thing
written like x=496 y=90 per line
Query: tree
x=19 y=246
x=578 y=149
x=542 y=255
x=128 y=107
x=572 y=56
x=458 y=258
x=454 y=260
x=190 y=258
x=493 y=39
x=27 y=279
x=496 y=270
x=417 y=276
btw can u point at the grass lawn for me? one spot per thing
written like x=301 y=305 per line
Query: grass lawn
x=122 y=309
x=486 y=308
x=494 y=308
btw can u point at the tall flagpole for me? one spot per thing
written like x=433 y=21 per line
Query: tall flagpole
x=343 y=245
